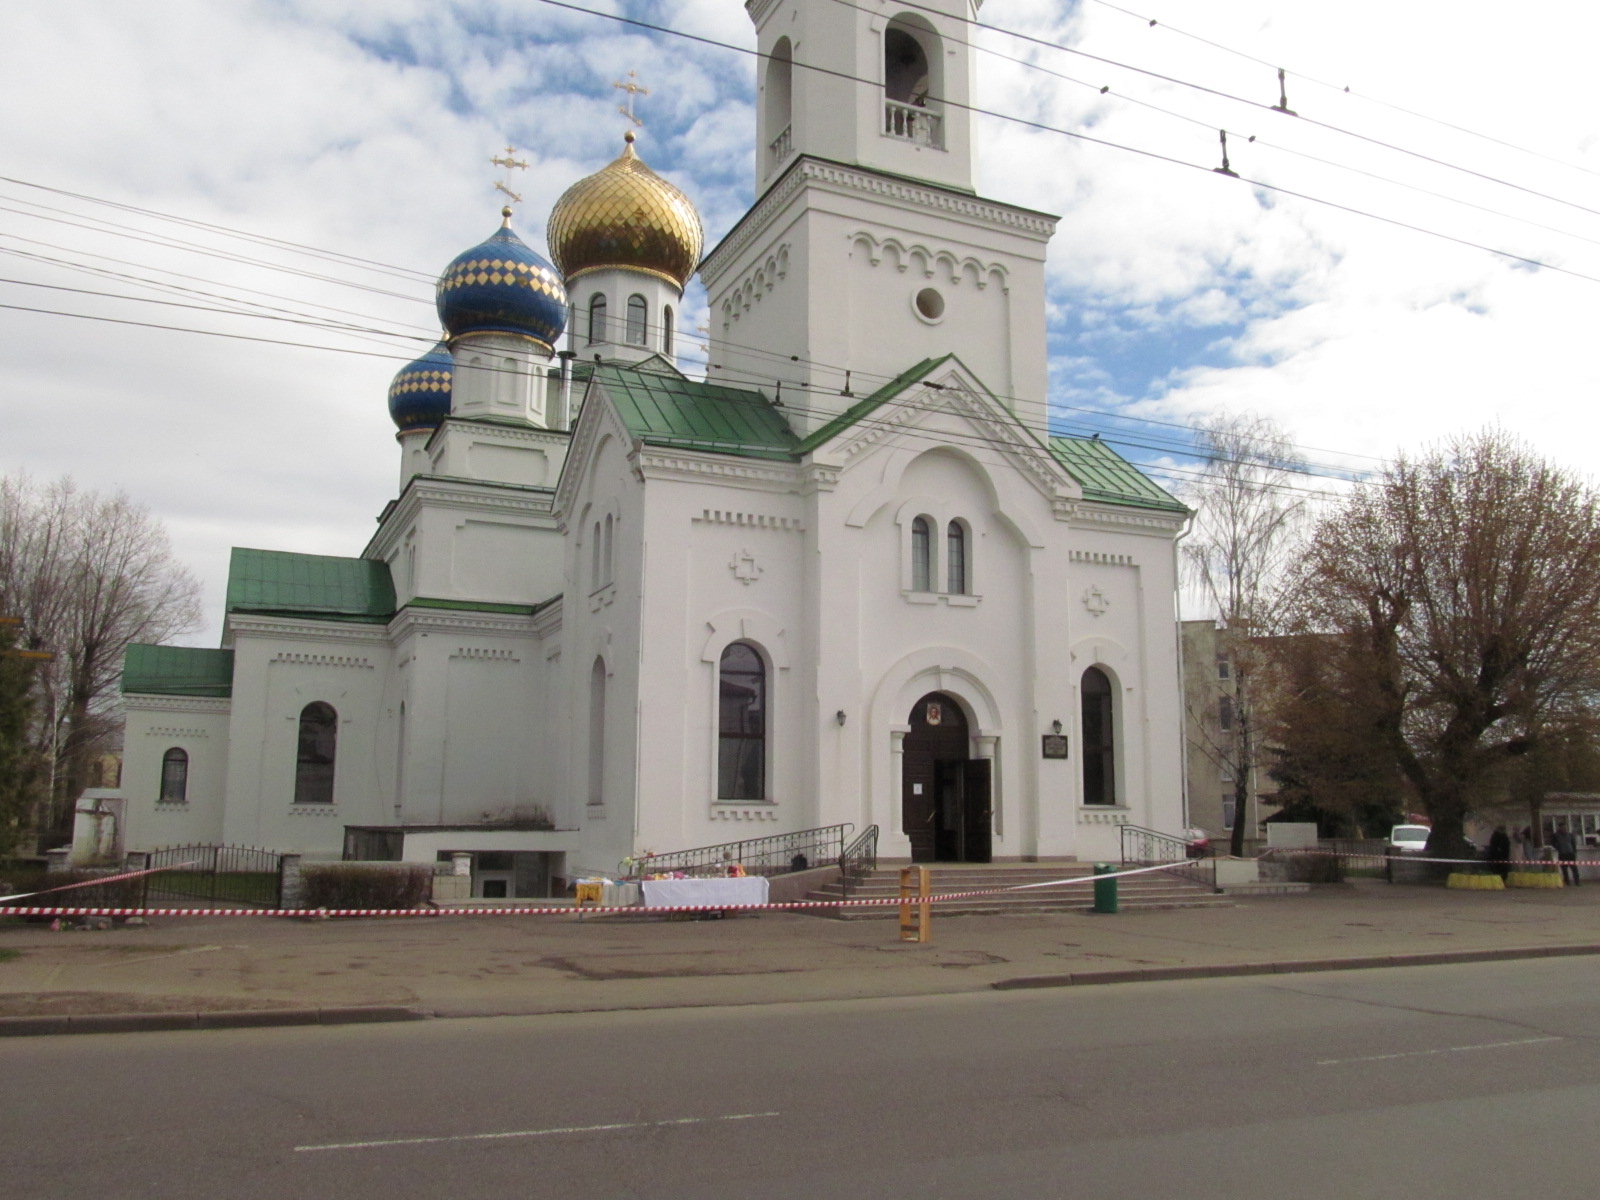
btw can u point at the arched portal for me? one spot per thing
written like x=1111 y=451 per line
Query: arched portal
x=945 y=804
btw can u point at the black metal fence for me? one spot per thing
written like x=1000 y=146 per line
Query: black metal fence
x=231 y=875
x=1143 y=847
x=775 y=855
x=859 y=859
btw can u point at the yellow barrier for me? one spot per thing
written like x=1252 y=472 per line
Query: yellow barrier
x=1475 y=883
x=1533 y=879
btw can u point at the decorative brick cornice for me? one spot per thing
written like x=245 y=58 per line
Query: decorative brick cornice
x=747 y=520
x=302 y=629
x=322 y=660
x=187 y=705
x=837 y=177
x=655 y=463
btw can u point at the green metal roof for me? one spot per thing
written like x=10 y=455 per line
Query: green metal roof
x=314 y=585
x=177 y=671
x=487 y=606
x=1106 y=476
x=864 y=407
x=669 y=410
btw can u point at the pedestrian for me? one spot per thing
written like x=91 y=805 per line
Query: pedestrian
x=1566 y=847
x=1525 y=843
x=1500 y=851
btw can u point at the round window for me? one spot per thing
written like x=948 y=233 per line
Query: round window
x=930 y=304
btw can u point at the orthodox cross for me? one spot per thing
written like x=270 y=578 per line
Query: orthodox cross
x=511 y=163
x=634 y=88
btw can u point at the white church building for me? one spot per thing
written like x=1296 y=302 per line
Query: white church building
x=849 y=577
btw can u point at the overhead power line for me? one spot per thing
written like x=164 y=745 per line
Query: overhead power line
x=1084 y=137
x=1345 y=89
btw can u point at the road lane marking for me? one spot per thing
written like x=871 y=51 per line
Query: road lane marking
x=1335 y=1062
x=528 y=1133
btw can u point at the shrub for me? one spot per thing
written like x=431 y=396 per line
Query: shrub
x=360 y=885
x=125 y=893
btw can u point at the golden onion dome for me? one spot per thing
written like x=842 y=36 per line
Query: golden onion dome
x=625 y=215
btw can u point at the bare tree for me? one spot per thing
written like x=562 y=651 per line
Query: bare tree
x=1466 y=586
x=1248 y=523
x=87 y=574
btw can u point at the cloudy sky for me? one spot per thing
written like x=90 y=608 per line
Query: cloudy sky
x=314 y=163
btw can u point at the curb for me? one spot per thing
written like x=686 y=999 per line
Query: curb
x=1289 y=967
x=250 y=1018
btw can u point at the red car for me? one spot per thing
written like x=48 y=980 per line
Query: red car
x=1199 y=842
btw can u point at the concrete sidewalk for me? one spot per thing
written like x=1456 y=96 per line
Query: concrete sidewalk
x=186 y=973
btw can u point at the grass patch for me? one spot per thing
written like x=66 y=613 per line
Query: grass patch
x=6 y=954
x=239 y=887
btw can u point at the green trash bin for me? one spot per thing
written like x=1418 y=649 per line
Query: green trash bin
x=1105 y=888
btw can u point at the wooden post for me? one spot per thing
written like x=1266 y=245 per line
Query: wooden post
x=915 y=891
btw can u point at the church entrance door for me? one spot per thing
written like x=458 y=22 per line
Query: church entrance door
x=944 y=792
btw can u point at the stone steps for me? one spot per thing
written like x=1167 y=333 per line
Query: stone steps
x=1155 y=890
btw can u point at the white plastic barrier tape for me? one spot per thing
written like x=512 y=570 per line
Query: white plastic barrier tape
x=565 y=910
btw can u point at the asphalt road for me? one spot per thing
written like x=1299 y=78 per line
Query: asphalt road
x=1441 y=1081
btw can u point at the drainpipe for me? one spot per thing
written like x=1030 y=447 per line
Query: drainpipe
x=1183 y=694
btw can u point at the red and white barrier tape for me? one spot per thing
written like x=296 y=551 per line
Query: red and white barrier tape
x=561 y=910
x=67 y=887
x=1419 y=858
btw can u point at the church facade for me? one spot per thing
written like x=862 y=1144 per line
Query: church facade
x=848 y=577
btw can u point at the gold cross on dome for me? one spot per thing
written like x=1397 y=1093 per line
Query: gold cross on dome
x=511 y=163
x=634 y=88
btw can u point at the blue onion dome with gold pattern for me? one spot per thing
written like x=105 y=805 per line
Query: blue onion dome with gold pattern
x=419 y=397
x=625 y=215
x=503 y=287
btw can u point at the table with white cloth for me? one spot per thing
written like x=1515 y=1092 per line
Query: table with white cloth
x=705 y=893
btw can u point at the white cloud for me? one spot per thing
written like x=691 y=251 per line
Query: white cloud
x=365 y=129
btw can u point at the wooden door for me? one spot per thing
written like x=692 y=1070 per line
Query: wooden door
x=931 y=785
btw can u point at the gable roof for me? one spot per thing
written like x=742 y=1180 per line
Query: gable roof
x=313 y=585
x=669 y=410
x=862 y=408
x=177 y=671
x=1106 y=476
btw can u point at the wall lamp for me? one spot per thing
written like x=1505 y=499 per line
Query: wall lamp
x=839 y=716
x=1055 y=727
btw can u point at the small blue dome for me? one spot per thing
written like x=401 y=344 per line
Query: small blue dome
x=419 y=397
x=503 y=287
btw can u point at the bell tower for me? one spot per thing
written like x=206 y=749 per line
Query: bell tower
x=868 y=250
x=874 y=84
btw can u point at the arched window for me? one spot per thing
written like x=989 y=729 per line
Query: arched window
x=597 y=318
x=956 y=559
x=1099 y=739
x=742 y=724
x=597 y=732
x=776 y=102
x=921 y=555
x=594 y=559
x=638 y=313
x=666 y=331
x=175 y=777
x=319 y=739
x=905 y=68
x=912 y=82
x=607 y=561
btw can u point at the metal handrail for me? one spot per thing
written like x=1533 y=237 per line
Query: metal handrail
x=777 y=854
x=860 y=859
x=1143 y=847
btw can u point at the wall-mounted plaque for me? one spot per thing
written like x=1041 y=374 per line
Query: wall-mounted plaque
x=1055 y=745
